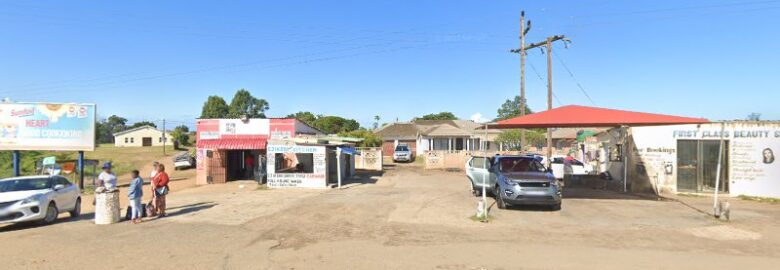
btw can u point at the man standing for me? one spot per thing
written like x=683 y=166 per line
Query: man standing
x=249 y=165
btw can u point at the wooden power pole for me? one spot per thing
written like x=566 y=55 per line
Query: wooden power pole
x=523 y=30
x=548 y=44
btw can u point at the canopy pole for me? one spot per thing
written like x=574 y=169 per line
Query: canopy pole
x=625 y=158
x=715 y=209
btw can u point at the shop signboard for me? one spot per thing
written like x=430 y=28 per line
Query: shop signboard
x=316 y=179
x=751 y=151
x=47 y=126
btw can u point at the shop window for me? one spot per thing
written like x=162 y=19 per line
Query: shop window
x=294 y=163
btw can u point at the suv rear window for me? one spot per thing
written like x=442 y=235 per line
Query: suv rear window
x=402 y=148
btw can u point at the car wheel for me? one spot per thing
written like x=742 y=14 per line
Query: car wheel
x=76 y=212
x=51 y=214
x=499 y=201
x=477 y=191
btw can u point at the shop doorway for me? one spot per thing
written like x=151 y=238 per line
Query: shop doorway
x=697 y=165
x=234 y=168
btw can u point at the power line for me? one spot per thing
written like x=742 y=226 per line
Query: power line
x=545 y=83
x=573 y=78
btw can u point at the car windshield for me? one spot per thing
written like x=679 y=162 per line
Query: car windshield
x=519 y=164
x=402 y=148
x=24 y=184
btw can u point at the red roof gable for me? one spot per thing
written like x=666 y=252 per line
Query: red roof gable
x=583 y=116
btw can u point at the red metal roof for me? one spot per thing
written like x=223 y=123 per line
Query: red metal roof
x=234 y=143
x=583 y=116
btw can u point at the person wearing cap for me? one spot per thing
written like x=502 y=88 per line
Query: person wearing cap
x=106 y=178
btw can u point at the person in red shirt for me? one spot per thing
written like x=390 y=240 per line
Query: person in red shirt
x=249 y=165
x=160 y=189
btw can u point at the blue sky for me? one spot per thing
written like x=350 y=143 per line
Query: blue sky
x=397 y=59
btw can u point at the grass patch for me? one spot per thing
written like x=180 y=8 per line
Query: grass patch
x=123 y=159
x=483 y=218
x=759 y=199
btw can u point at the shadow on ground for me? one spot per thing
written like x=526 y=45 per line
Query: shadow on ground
x=190 y=208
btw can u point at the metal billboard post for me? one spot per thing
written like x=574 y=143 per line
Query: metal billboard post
x=17 y=162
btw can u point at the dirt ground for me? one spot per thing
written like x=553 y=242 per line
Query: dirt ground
x=407 y=218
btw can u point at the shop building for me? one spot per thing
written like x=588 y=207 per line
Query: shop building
x=684 y=158
x=236 y=149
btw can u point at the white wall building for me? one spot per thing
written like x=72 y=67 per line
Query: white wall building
x=143 y=136
x=684 y=158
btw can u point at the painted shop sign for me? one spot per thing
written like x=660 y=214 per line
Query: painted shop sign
x=715 y=134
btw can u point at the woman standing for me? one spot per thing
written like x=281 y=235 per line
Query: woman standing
x=134 y=193
x=160 y=189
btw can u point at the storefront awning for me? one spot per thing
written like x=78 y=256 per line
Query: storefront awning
x=234 y=144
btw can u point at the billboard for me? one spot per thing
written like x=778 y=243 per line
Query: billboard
x=47 y=126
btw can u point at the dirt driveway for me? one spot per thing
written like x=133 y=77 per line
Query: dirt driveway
x=407 y=218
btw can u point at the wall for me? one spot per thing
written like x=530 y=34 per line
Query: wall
x=210 y=167
x=653 y=156
x=138 y=136
x=369 y=159
x=446 y=160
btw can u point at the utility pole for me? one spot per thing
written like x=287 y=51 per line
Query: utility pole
x=523 y=31
x=548 y=44
x=163 y=136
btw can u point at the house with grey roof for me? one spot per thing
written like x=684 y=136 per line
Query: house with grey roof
x=439 y=135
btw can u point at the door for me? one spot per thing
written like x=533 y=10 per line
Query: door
x=146 y=141
x=697 y=165
x=477 y=171
x=687 y=165
x=65 y=198
x=709 y=166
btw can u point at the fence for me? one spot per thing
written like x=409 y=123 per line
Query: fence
x=370 y=158
x=457 y=159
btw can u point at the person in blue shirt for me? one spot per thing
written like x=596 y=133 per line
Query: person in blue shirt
x=135 y=193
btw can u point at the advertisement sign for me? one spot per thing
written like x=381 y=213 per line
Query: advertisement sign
x=47 y=126
x=239 y=127
x=316 y=179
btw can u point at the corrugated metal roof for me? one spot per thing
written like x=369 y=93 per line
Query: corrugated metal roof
x=234 y=144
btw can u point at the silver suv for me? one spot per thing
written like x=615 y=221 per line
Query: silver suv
x=514 y=180
x=403 y=153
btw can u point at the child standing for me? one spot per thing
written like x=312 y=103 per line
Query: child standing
x=135 y=193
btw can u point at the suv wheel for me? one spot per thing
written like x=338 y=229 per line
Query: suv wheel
x=51 y=214
x=499 y=201
x=76 y=209
x=476 y=191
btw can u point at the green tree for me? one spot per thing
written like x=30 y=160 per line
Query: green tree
x=511 y=138
x=142 y=123
x=105 y=129
x=376 y=121
x=244 y=103
x=306 y=117
x=181 y=135
x=510 y=109
x=438 y=116
x=215 y=107
x=369 y=138
x=335 y=124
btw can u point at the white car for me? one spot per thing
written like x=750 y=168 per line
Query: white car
x=557 y=166
x=38 y=198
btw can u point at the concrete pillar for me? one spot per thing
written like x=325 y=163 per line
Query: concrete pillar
x=449 y=142
x=467 y=144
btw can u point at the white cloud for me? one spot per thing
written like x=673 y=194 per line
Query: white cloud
x=479 y=118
